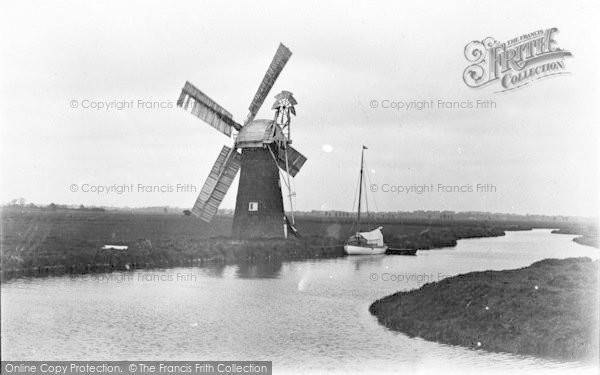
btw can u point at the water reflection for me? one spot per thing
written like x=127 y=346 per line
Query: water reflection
x=269 y=270
x=214 y=270
x=358 y=261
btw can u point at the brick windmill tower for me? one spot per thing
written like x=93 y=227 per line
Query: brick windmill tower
x=265 y=152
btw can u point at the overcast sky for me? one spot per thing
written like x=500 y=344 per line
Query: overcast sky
x=538 y=147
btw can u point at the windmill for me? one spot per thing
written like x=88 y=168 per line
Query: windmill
x=264 y=150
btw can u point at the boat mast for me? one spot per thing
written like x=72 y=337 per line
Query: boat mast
x=362 y=156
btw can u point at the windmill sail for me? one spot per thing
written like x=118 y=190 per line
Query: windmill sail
x=218 y=182
x=206 y=109
x=295 y=160
x=281 y=57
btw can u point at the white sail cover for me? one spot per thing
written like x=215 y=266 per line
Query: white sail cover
x=374 y=237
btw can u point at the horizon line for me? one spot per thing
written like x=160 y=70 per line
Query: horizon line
x=77 y=206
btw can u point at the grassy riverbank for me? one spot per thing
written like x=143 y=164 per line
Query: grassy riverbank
x=41 y=242
x=549 y=309
x=593 y=241
x=589 y=235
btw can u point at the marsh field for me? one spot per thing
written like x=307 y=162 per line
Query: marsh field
x=45 y=241
x=549 y=309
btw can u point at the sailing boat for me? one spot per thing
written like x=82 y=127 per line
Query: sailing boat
x=364 y=243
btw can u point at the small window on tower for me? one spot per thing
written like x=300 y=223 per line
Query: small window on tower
x=253 y=206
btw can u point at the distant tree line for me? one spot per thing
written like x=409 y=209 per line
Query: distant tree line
x=22 y=203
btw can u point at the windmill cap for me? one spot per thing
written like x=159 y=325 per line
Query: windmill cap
x=257 y=133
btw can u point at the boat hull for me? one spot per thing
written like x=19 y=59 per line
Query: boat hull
x=364 y=250
x=391 y=251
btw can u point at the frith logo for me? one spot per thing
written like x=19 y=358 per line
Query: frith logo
x=515 y=63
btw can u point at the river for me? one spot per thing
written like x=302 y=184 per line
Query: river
x=306 y=317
